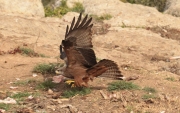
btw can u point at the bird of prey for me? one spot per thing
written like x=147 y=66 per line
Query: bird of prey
x=80 y=60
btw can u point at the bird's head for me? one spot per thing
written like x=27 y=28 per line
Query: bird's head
x=62 y=53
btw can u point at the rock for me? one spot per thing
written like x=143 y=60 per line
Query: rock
x=32 y=28
x=54 y=28
x=100 y=7
x=129 y=15
x=8 y=100
x=173 y=7
x=50 y=91
x=52 y=3
x=68 y=17
x=70 y=3
x=30 y=8
x=2 y=111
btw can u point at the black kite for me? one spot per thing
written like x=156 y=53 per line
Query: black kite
x=76 y=50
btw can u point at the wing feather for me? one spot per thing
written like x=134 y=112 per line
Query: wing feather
x=79 y=37
x=87 y=23
x=81 y=31
x=79 y=19
x=105 y=68
x=89 y=56
x=72 y=24
x=84 y=20
x=67 y=29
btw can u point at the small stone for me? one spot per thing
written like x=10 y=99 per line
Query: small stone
x=50 y=91
x=34 y=75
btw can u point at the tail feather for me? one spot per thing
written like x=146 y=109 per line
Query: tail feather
x=105 y=68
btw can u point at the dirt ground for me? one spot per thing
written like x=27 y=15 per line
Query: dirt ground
x=146 y=55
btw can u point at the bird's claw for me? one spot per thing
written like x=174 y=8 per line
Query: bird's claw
x=71 y=83
x=81 y=83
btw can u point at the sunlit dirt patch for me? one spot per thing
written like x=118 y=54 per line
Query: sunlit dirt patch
x=164 y=63
x=166 y=32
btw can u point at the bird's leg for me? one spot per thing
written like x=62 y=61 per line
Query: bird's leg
x=69 y=81
x=79 y=82
x=73 y=84
x=61 y=71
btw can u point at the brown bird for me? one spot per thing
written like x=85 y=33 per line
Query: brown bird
x=76 y=50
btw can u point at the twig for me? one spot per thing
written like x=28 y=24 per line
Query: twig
x=19 y=65
x=123 y=100
x=65 y=106
x=71 y=108
x=174 y=58
x=35 y=44
x=103 y=94
x=131 y=78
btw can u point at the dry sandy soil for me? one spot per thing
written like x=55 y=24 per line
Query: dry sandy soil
x=143 y=52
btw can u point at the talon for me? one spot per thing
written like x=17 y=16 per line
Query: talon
x=71 y=83
x=80 y=84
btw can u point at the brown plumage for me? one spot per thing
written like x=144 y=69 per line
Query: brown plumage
x=76 y=50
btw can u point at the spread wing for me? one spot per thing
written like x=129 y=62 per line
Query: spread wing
x=80 y=32
x=79 y=38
